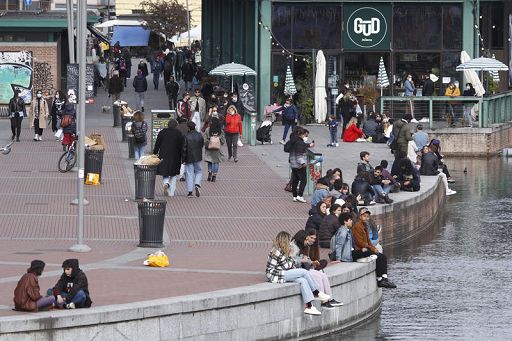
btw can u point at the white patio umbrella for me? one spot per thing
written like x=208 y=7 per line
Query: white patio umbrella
x=483 y=64
x=382 y=77
x=232 y=69
x=471 y=75
x=289 y=84
x=320 y=93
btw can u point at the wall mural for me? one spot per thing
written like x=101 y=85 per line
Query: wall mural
x=43 y=77
x=15 y=73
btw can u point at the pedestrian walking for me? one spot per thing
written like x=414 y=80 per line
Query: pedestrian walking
x=139 y=130
x=192 y=156
x=59 y=100
x=17 y=112
x=143 y=66
x=68 y=124
x=290 y=117
x=169 y=147
x=198 y=106
x=233 y=131
x=214 y=139
x=141 y=86
x=156 y=70
x=172 y=88
x=187 y=71
x=332 y=124
x=39 y=114
x=168 y=66
x=297 y=146
x=184 y=110
x=115 y=86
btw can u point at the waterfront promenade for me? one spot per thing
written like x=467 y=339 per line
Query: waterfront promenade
x=214 y=242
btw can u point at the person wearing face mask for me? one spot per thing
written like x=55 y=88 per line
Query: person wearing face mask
x=471 y=92
x=290 y=117
x=39 y=113
x=297 y=146
x=410 y=90
x=56 y=112
x=198 y=106
x=233 y=131
x=452 y=91
x=17 y=112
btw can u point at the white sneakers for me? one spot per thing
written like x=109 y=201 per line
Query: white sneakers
x=450 y=192
x=282 y=142
x=40 y=138
x=322 y=297
x=299 y=199
x=312 y=311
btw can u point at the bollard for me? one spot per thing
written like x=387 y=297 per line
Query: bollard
x=131 y=146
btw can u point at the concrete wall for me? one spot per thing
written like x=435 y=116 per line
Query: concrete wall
x=260 y=312
x=474 y=142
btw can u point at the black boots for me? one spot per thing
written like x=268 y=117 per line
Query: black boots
x=209 y=176
x=214 y=177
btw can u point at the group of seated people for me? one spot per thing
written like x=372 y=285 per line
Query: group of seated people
x=377 y=129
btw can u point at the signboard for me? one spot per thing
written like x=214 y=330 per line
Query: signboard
x=159 y=121
x=16 y=72
x=72 y=79
x=367 y=27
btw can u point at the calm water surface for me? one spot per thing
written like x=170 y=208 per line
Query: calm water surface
x=455 y=283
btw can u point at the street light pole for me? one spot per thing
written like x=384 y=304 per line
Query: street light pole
x=188 y=24
x=71 y=36
x=81 y=47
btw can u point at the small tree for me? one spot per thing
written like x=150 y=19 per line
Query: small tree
x=165 y=16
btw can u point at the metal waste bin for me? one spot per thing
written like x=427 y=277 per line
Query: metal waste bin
x=145 y=176
x=124 y=132
x=151 y=223
x=131 y=146
x=93 y=162
x=116 y=108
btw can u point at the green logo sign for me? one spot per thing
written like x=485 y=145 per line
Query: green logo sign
x=367 y=27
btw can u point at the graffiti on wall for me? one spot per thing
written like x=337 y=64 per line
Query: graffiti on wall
x=43 y=77
x=15 y=73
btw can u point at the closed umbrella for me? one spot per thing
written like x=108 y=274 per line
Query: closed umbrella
x=471 y=75
x=382 y=77
x=232 y=69
x=320 y=93
x=494 y=74
x=289 y=84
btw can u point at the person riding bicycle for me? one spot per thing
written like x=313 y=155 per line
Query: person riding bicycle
x=68 y=125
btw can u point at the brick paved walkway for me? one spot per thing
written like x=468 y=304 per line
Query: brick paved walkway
x=217 y=241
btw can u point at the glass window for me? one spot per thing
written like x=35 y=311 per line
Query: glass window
x=282 y=24
x=450 y=61
x=279 y=64
x=452 y=27
x=317 y=27
x=417 y=64
x=492 y=24
x=417 y=27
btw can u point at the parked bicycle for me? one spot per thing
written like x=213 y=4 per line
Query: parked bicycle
x=68 y=159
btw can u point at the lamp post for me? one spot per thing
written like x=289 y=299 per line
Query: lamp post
x=188 y=24
x=71 y=36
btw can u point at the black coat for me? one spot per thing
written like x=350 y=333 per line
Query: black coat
x=71 y=285
x=115 y=85
x=193 y=147
x=429 y=164
x=428 y=88
x=140 y=83
x=168 y=147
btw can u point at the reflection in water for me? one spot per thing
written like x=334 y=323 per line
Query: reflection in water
x=458 y=283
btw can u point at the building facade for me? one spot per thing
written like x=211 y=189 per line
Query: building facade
x=131 y=8
x=413 y=37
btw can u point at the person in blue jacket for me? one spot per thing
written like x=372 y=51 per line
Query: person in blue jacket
x=290 y=117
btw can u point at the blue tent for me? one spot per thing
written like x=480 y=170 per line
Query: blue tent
x=130 y=36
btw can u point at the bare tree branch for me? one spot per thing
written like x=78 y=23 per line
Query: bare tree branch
x=165 y=16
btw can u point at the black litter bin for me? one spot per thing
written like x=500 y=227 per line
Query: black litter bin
x=151 y=223
x=93 y=162
x=124 y=133
x=116 y=108
x=131 y=146
x=145 y=176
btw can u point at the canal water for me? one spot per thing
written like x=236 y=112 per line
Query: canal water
x=454 y=283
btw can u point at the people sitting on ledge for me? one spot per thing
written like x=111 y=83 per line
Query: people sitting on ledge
x=341 y=242
x=407 y=176
x=381 y=187
x=430 y=166
x=329 y=226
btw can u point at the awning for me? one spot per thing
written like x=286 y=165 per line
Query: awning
x=130 y=36
x=98 y=34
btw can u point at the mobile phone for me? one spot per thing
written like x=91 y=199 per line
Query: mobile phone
x=313 y=141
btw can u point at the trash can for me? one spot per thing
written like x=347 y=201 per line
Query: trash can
x=151 y=223
x=93 y=162
x=131 y=146
x=124 y=132
x=145 y=176
x=116 y=108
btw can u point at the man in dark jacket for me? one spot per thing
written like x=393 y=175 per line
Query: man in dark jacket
x=72 y=289
x=115 y=86
x=172 y=88
x=370 y=126
x=141 y=86
x=402 y=133
x=168 y=147
x=428 y=87
x=143 y=66
x=192 y=156
x=380 y=186
x=430 y=166
x=290 y=117
x=187 y=71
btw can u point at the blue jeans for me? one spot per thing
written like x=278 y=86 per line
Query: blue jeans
x=287 y=125
x=193 y=175
x=156 y=79
x=78 y=299
x=139 y=150
x=452 y=113
x=171 y=180
x=139 y=97
x=381 y=190
x=307 y=283
x=213 y=167
x=333 y=133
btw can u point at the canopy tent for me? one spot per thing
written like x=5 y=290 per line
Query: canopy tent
x=289 y=84
x=117 y=22
x=130 y=36
x=320 y=93
x=232 y=69
x=471 y=76
x=382 y=77
x=182 y=38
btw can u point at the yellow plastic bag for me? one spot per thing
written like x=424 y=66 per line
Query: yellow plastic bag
x=92 y=179
x=157 y=259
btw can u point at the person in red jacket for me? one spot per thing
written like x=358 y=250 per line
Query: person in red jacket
x=352 y=132
x=233 y=131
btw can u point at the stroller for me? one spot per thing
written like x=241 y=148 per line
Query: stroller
x=263 y=133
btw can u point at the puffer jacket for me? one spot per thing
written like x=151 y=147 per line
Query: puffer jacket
x=140 y=83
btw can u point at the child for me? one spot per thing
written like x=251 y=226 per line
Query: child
x=333 y=130
x=72 y=289
x=26 y=294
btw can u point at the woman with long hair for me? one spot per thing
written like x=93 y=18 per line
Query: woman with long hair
x=233 y=131
x=352 y=132
x=59 y=100
x=213 y=137
x=139 y=130
x=281 y=269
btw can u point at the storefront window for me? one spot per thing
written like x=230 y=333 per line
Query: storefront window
x=417 y=64
x=452 y=27
x=492 y=24
x=279 y=64
x=361 y=68
x=317 y=27
x=282 y=24
x=449 y=63
x=417 y=27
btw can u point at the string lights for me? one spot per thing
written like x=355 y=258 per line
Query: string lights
x=279 y=45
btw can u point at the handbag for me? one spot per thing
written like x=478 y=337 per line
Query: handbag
x=58 y=133
x=214 y=143
x=288 y=187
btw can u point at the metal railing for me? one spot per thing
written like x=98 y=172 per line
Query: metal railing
x=441 y=111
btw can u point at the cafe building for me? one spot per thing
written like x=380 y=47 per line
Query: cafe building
x=412 y=37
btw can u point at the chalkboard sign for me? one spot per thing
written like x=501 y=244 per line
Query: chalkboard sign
x=72 y=79
x=159 y=121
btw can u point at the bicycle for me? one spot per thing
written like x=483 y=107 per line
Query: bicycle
x=68 y=159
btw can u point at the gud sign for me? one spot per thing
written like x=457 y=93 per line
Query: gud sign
x=366 y=27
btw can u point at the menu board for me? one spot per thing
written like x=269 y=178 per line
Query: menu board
x=159 y=121
x=72 y=79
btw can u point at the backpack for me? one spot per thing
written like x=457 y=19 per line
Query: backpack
x=138 y=132
x=122 y=64
x=66 y=121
